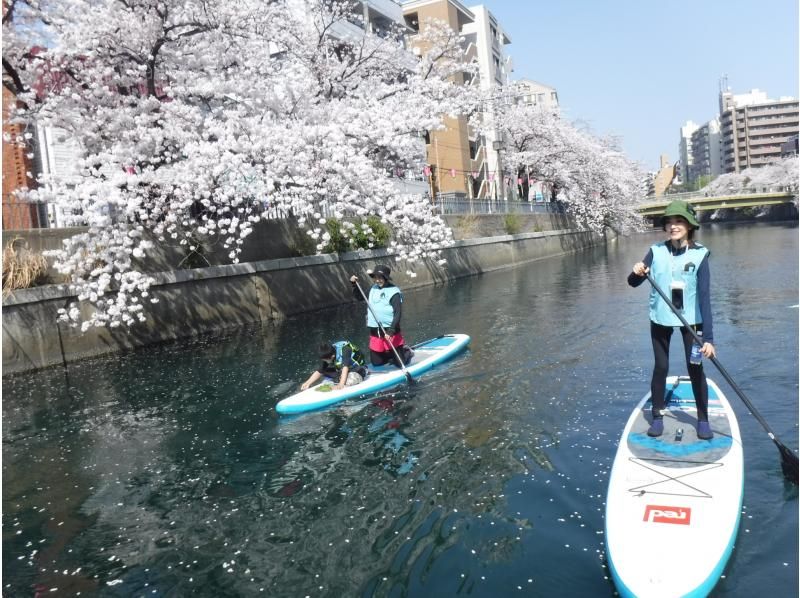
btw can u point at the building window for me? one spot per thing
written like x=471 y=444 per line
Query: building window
x=412 y=20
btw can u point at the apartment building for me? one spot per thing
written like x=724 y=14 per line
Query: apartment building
x=537 y=94
x=17 y=163
x=493 y=78
x=754 y=127
x=706 y=155
x=463 y=161
x=662 y=180
x=453 y=153
x=377 y=17
x=685 y=150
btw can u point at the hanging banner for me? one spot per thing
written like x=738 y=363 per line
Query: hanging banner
x=427 y=171
x=453 y=172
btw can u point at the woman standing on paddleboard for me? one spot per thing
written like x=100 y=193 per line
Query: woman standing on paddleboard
x=681 y=265
x=386 y=302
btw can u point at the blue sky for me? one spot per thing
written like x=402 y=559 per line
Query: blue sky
x=640 y=69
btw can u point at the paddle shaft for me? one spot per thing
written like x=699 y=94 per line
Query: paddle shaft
x=394 y=350
x=785 y=451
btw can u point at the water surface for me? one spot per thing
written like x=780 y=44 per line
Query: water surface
x=167 y=472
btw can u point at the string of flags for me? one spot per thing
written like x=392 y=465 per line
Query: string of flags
x=453 y=172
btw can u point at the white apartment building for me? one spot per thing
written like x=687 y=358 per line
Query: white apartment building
x=685 y=149
x=55 y=154
x=537 y=94
x=494 y=75
x=706 y=151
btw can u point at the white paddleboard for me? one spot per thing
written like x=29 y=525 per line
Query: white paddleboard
x=426 y=355
x=674 y=502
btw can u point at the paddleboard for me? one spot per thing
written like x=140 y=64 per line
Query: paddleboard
x=674 y=502
x=426 y=355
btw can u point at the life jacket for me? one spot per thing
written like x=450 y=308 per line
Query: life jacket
x=667 y=268
x=357 y=357
x=380 y=301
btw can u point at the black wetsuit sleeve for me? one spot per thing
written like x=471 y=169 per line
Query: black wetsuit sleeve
x=634 y=279
x=397 y=305
x=704 y=294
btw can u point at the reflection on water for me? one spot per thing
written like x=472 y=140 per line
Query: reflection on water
x=167 y=472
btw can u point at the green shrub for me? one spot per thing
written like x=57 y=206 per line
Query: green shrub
x=338 y=243
x=513 y=224
x=361 y=239
x=379 y=237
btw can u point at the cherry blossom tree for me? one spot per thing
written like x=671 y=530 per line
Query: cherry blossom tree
x=780 y=173
x=192 y=116
x=592 y=176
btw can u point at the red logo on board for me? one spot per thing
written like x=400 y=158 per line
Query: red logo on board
x=662 y=514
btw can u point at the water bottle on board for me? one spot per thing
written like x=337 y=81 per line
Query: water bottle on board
x=696 y=357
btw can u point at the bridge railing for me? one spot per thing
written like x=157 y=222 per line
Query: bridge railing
x=703 y=194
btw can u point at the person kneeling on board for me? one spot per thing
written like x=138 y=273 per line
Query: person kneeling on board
x=680 y=264
x=341 y=361
x=386 y=303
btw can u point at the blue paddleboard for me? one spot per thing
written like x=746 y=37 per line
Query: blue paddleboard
x=426 y=355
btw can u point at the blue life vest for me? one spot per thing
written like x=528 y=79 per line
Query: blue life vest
x=380 y=300
x=357 y=357
x=667 y=268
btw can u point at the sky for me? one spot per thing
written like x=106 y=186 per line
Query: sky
x=640 y=69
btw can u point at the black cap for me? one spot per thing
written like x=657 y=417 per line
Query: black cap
x=382 y=271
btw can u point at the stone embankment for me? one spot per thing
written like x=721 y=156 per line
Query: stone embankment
x=201 y=300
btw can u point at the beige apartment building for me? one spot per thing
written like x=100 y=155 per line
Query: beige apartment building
x=450 y=154
x=753 y=128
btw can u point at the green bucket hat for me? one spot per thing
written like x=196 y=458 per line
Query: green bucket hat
x=682 y=209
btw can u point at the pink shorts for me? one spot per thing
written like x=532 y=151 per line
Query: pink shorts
x=380 y=345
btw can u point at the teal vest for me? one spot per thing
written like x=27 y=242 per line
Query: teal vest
x=667 y=268
x=357 y=357
x=379 y=300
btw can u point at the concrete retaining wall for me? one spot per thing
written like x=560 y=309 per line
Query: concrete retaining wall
x=192 y=302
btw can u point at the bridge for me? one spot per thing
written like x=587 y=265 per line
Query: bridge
x=702 y=202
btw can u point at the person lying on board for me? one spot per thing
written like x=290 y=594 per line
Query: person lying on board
x=342 y=362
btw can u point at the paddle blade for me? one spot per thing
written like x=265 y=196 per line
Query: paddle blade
x=789 y=463
x=411 y=380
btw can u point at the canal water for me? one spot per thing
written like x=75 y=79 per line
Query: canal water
x=167 y=472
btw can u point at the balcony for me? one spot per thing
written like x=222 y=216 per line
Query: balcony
x=387 y=8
